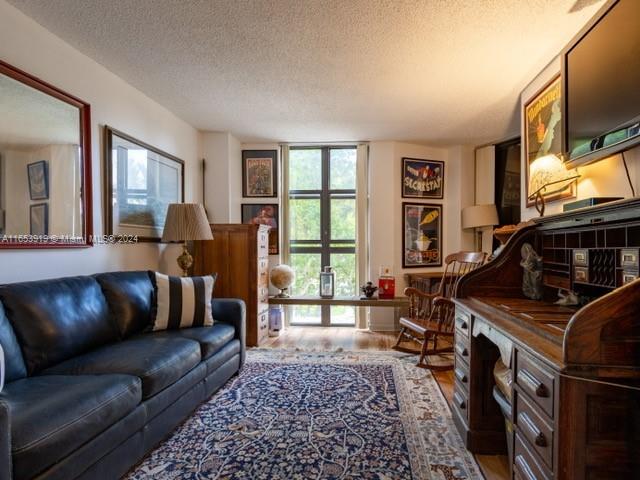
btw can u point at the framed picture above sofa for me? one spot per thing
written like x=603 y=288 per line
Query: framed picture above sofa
x=141 y=182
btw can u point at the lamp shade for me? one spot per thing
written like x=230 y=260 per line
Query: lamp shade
x=479 y=216
x=549 y=170
x=186 y=221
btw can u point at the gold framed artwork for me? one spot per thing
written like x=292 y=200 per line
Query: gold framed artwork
x=543 y=133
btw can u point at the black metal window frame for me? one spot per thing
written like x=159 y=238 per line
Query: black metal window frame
x=325 y=245
x=328 y=245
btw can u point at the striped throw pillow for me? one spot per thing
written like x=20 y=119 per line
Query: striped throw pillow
x=181 y=302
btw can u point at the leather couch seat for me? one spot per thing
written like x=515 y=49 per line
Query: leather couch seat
x=87 y=390
x=157 y=361
x=53 y=415
x=211 y=339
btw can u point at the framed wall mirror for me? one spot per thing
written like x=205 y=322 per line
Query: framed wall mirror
x=45 y=165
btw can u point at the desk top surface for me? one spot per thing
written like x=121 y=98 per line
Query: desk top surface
x=535 y=325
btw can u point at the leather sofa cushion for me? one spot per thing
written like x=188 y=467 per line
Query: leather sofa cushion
x=158 y=362
x=52 y=416
x=55 y=320
x=129 y=295
x=14 y=367
x=211 y=339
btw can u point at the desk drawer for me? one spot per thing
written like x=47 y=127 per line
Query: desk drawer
x=538 y=383
x=525 y=466
x=463 y=323
x=461 y=374
x=532 y=426
x=461 y=401
x=462 y=347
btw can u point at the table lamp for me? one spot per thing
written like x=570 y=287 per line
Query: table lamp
x=477 y=216
x=185 y=222
x=548 y=175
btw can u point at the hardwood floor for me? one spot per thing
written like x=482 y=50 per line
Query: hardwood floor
x=494 y=467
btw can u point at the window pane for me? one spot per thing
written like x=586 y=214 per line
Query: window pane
x=306 y=315
x=304 y=219
x=343 y=315
x=344 y=264
x=307 y=268
x=343 y=169
x=343 y=219
x=305 y=169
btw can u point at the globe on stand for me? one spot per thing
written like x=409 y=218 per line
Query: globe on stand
x=282 y=277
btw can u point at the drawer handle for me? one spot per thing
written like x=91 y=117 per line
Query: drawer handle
x=532 y=383
x=461 y=376
x=463 y=324
x=460 y=401
x=525 y=422
x=462 y=351
x=524 y=468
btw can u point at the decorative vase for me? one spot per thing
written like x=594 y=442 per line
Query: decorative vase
x=327 y=282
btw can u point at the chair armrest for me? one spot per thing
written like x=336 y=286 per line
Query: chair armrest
x=233 y=312
x=5 y=441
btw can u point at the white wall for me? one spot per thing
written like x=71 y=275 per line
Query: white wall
x=485 y=173
x=606 y=178
x=26 y=45
x=385 y=209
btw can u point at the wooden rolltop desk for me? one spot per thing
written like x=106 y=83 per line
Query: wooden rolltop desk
x=575 y=397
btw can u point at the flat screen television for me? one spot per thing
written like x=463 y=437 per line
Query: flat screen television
x=601 y=85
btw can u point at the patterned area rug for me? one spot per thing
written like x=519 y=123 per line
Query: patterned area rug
x=296 y=415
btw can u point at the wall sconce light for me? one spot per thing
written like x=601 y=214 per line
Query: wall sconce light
x=548 y=175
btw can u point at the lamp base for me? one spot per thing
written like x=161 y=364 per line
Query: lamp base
x=185 y=260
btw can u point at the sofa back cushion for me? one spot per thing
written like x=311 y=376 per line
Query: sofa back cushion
x=14 y=367
x=55 y=320
x=129 y=295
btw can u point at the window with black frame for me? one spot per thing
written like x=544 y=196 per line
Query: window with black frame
x=322 y=229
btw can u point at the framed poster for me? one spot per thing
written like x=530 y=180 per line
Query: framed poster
x=38 y=173
x=263 y=214
x=141 y=182
x=422 y=235
x=39 y=219
x=259 y=173
x=543 y=133
x=422 y=178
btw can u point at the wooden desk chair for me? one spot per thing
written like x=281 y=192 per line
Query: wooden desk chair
x=431 y=315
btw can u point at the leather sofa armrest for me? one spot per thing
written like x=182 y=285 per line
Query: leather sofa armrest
x=5 y=442
x=1 y=368
x=233 y=312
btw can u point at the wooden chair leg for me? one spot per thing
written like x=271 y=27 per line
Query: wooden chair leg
x=423 y=351
x=402 y=330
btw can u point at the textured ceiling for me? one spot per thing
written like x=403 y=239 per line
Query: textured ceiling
x=431 y=71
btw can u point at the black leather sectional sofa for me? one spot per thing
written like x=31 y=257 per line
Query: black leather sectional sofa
x=88 y=392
